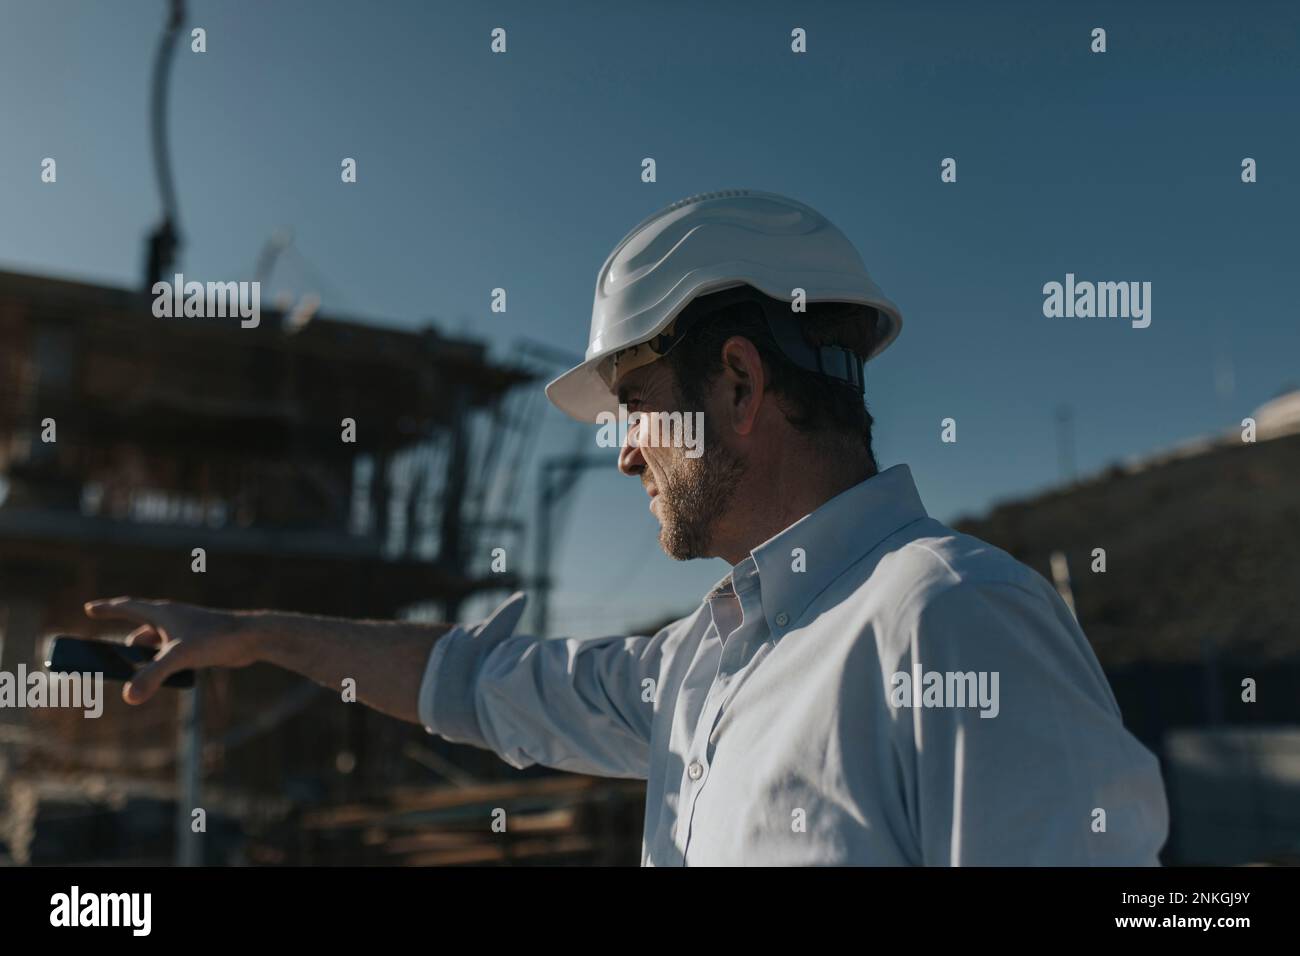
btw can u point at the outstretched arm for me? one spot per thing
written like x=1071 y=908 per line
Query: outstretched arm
x=576 y=705
x=385 y=658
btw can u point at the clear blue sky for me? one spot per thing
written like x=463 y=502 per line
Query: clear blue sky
x=522 y=171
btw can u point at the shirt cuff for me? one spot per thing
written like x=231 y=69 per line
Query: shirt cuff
x=447 y=702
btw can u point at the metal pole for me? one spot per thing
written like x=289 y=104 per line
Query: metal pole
x=160 y=252
x=542 y=552
x=189 y=771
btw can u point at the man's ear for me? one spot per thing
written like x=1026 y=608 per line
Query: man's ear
x=743 y=383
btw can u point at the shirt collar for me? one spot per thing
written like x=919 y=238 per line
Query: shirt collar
x=832 y=538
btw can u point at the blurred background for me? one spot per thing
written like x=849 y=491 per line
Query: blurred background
x=520 y=170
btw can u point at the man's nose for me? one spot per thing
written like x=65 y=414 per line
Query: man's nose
x=630 y=460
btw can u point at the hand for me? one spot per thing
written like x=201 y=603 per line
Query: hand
x=187 y=637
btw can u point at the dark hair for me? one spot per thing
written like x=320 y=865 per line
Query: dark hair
x=812 y=403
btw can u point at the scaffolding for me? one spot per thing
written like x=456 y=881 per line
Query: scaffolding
x=325 y=466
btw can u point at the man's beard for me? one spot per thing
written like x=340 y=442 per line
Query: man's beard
x=694 y=496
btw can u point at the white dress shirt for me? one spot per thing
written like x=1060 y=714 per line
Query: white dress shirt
x=867 y=687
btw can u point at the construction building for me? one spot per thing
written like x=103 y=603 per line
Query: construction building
x=321 y=466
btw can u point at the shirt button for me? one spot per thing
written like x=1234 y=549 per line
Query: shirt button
x=782 y=619
x=695 y=771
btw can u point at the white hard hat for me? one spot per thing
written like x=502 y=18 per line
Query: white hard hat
x=704 y=244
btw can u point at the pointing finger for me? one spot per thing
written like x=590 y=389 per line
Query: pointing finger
x=123 y=609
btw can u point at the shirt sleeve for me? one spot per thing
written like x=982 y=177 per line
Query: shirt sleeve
x=580 y=705
x=1042 y=770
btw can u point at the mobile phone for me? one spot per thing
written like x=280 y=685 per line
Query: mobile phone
x=74 y=655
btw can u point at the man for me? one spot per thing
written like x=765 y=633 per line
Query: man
x=866 y=686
